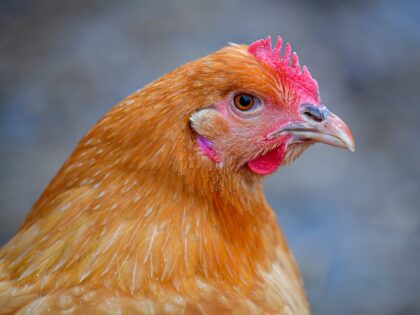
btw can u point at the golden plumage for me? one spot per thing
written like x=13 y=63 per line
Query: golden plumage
x=137 y=220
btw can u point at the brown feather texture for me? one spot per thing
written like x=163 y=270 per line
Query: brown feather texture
x=139 y=221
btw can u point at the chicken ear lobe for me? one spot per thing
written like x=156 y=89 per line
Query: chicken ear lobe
x=208 y=123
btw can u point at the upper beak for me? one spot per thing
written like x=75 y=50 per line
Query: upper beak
x=319 y=125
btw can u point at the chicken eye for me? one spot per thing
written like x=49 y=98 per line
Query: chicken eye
x=244 y=101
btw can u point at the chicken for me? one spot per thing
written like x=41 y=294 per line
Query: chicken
x=160 y=208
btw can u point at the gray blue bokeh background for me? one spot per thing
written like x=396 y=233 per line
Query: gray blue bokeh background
x=352 y=220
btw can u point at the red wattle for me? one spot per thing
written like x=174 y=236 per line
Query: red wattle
x=269 y=162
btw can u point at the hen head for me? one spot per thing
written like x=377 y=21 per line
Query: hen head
x=268 y=111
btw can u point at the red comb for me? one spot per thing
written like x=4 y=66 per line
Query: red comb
x=288 y=65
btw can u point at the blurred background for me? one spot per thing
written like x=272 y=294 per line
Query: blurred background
x=352 y=220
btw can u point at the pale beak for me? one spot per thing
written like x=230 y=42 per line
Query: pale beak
x=319 y=125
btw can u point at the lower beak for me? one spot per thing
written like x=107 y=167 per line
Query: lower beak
x=331 y=130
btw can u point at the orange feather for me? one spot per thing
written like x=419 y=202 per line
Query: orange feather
x=137 y=220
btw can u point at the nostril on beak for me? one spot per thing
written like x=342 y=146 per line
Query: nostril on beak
x=314 y=113
x=313 y=116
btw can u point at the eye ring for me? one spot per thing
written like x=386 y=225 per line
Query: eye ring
x=244 y=101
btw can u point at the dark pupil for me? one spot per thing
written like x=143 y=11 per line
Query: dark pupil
x=244 y=100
